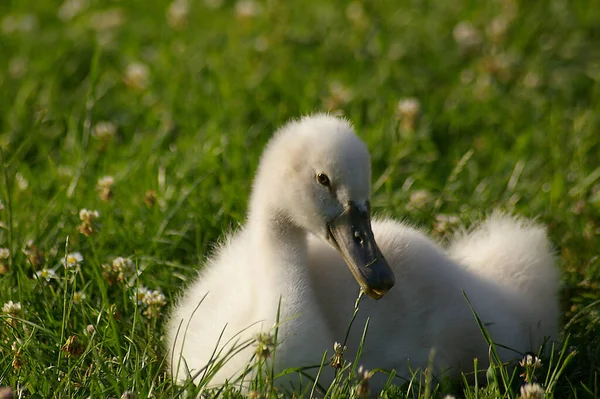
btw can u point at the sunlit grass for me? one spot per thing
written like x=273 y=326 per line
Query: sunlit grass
x=153 y=114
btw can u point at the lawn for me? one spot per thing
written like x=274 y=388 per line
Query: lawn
x=130 y=132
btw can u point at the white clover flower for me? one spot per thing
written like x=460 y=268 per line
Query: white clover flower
x=46 y=274
x=72 y=260
x=337 y=360
x=88 y=219
x=449 y=397
x=363 y=389
x=247 y=8
x=408 y=110
x=88 y=216
x=70 y=9
x=12 y=308
x=137 y=75
x=129 y=395
x=466 y=35
x=15 y=23
x=409 y=107
x=4 y=253
x=16 y=345
x=104 y=130
x=107 y=20
x=22 y=182
x=444 y=222
x=79 y=297
x=155 y=298
x=338 y=348
x=339 y=95
x=177 y=13
x=105 y=182
x=151 y=300
x=363 y=373
x=419 y=198
x=89 y=329
x=531 y=361
x=532 y=391
x=140 y=294
x=104 y=187
x=496 y=30
x=123 y=267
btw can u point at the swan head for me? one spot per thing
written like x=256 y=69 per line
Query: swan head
x=316 y=174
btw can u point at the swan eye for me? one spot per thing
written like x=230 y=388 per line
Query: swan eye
x=323 y=179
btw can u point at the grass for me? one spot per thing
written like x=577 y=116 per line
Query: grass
x=176 y=103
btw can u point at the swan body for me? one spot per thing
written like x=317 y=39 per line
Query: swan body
x=309 y=223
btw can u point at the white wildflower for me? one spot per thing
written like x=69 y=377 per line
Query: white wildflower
x=247 y=8
x=532 y=391
x=418 y=199
x=151 y=300
x=89 y=330
x=107 y=20
x=104 y=130
x=70 y=9
x=408 y=110
x=137 y=75
x=79 y=297
x=364 y=376
x=177 y=13
x=129 y=395
x=18 y=23
x=4 y=253
x=88 y=224
x=72 y=260
x=496 y=30
x=531 y=361
x=46 y=274
x=339 y=95
x=444 y=222
x=104 y=187
x=123 y=268
x=22 y=182
x=337 y=360
x=105 y=182
x=88 y=216
x=409 y=107
x=466 y=35
x=265 y=342
x=155 y=298
x=12 y=308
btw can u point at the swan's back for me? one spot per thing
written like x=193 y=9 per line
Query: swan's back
x=516 y=254
x=494 y=265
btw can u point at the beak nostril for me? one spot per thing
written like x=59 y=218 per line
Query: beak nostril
x=358 y=238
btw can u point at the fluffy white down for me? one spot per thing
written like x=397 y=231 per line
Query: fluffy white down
x=504 y=265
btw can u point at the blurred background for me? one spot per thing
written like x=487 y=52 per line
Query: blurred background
x=466 y=106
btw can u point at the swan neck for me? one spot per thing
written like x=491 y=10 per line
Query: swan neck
x=281 y=237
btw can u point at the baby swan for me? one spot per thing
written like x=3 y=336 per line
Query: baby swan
x=314 y=177
x=309 y=222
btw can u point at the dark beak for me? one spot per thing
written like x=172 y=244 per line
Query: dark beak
x=350 y=233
